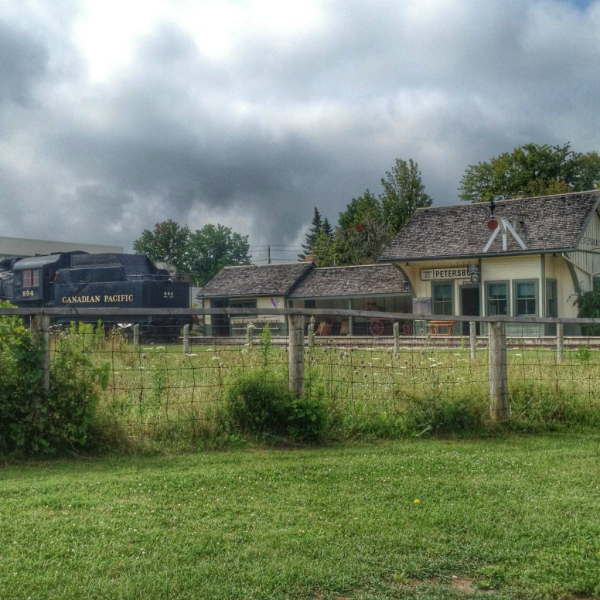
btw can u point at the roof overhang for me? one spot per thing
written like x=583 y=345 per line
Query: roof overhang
x=479 y=255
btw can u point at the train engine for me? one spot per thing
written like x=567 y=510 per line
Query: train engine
x=81 y=280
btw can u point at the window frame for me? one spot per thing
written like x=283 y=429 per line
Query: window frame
x=536 y=284
x=505 y=282
x=243 y=301
x=30 y=278
x=452 y=296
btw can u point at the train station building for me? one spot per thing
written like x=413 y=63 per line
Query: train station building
x=530 y=257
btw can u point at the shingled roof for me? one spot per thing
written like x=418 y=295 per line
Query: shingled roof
x=360 y=280
x=254 y=280
x=545 y=223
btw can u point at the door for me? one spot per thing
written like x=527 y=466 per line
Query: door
x=469 y=305
x=220 y=323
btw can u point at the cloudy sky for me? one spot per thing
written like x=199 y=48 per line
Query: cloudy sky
x=117 y=114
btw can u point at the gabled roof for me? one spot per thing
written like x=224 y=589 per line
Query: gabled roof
x=545 y=223
x=255 y=280
x=359 y=280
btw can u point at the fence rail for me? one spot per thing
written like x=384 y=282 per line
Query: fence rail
x=359 y=376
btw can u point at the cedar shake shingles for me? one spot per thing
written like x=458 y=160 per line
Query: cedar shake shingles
x=360 y=280
x=544 y=223
x=254 y=280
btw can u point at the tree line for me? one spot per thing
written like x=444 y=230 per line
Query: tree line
x=370 y=222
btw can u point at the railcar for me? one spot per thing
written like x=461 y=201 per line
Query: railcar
x=82 y=280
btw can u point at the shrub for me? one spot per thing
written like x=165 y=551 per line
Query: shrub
x=258 y=404
x=33 y=420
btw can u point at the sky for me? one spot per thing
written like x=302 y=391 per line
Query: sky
x=116 y=115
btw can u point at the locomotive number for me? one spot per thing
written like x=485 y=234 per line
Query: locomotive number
x=27 y=293
x=168 y=295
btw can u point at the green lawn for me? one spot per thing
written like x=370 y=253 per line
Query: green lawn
x=516 y=518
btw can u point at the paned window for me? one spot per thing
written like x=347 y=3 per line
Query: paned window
x=497 y=299
x=525 y=298
x=551 y=298
x=242 y=303
x=31 y=278
x=442 y=298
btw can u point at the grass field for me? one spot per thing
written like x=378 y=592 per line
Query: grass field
x=512 y=518
x=154 y=390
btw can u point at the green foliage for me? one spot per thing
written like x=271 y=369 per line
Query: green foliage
x=167 y=242
x=359 y=244
x=262 y=403
x=364 y=208
x=583 y=353
x=202 y=253
x=259 y=404
x=403 y=193
x=589 y=307
x=533 y=170
x=314 y=232
x=32 y=419
x=441 y=415
x=213 y=247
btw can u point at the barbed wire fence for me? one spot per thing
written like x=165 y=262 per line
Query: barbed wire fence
x=164 y=377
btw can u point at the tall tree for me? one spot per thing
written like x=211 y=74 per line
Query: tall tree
x=360 y=210
x=326 y=228
x=531 y=170
x=214 y=247
x=167 y=242
x=403 y=193
x=312 y=235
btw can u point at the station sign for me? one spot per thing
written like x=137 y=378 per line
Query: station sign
x=468 y=272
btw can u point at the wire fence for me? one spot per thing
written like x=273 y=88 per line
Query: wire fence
x=164 y=375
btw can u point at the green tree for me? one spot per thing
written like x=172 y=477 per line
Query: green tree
x=167 y=242
x=312 y=235
x=531 y=170
x=403 y=193
x=359 y=244
x=212 y=248
x=360 y=210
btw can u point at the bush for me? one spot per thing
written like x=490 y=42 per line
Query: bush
x=33 y=420
x=262 y=403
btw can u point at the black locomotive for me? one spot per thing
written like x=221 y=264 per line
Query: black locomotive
x=81 y=280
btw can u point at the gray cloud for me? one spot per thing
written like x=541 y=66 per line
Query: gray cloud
x=258 y=136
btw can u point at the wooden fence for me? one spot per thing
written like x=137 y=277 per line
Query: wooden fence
x=497 y=339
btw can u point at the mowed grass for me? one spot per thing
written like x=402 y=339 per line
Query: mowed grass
x=512 y=518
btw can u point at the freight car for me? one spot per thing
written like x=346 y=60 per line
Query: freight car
x=81 y=280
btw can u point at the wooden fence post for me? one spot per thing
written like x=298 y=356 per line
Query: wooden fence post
x=40 y=334
x=296 y=354
x=396 y=337
x=473 y=339
x=499 y=409
x=250 y=336
x=559 y=343
x=311 y=333
x=186 y=338
x=136 y=334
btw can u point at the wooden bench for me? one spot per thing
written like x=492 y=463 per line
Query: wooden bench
x=435 y=326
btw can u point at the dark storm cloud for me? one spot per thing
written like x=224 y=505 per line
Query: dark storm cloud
x=259 y=135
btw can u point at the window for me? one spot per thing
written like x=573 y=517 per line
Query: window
x=442 y=298
x=310 y=304
x=497 y=298
x=525 y=298
x=242 y=303
x=551 y=298
x=31 y=278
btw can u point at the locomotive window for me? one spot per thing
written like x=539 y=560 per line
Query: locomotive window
x=31 y=278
